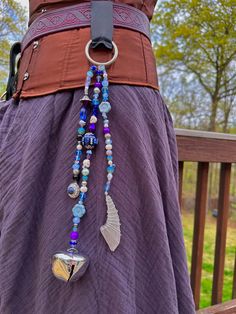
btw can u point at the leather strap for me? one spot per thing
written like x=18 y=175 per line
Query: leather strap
x=12 y=78
x=102 y=24
x=79 y=15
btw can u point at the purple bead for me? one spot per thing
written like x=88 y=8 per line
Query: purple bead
x=98 y=84
x=74 y=235
x=92 y=127
x=106 y=130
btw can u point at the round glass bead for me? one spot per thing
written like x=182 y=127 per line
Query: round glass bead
x=76 y=167
x=74 y=235
x=84 y=178
x=76 y=220
x=83 y=114
x=98 y=85
x=92 y=127
x=85 y=172
x=81 y=130
x=106 y=130
x=111 y=169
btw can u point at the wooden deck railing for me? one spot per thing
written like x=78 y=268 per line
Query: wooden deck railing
x=204 y=148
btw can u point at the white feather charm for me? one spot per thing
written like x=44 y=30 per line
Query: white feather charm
x=111 y=229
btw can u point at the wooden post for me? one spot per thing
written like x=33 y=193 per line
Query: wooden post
x=181 y=170
x=221 y=232
x=199 y=226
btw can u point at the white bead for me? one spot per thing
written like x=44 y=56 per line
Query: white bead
x=86 y=163
x=79 y=147
x=109 y=176
x=106 y=125
x=107 y=135
x=108 y=146
x=82 y=122
x=85 y=172
x=83 y=189
x=93 y=119
x=110 y=163
x=96 y=90
x=84 y=183
x=109 y=152
x=75 y=171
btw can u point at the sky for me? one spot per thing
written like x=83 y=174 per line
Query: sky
x=24 y=3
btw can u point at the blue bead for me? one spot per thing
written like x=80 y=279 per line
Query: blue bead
x=109 y=157
x=105 y=83
x=84 y=178
x=90 y=73
x=107 y=187
x=83 y=114
x=93 y=67
x=81 y=131
x=76 y=220
x=89 y=152
x=95 y=102
x=99 y=72
x=82 y=196
x=111 y=169
x=78 y=210
x=76 y=167
x=78 y=152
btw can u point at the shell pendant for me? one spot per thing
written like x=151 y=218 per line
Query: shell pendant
x=111 y=229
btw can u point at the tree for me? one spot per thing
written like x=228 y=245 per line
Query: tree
x=13 y=23
x=197 y=37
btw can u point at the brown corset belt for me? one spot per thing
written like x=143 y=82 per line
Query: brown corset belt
x=79 y=15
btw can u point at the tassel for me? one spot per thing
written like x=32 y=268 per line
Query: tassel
x=111 y=229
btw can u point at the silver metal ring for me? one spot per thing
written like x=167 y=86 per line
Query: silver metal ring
x=101 y=63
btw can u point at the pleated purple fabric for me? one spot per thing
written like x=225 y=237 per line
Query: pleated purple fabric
x=147 y=273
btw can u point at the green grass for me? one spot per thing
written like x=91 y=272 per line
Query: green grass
x=208 y=256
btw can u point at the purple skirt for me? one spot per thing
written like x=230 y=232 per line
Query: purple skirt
x=147 y=273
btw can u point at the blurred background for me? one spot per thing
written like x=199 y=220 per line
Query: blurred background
x=194 y=43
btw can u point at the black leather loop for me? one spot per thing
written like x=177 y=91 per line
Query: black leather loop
x=12 y=78
x=102 y=24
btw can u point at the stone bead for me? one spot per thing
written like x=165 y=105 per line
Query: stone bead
x=79 y=147
x=107 y=135
x=84 y=183
x=84 y=189
x=110 y=162
x=85 y=172
x=93 y=119
x=108 y=146
x=86 y=163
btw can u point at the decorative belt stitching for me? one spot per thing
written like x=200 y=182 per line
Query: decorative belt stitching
x=79 y=15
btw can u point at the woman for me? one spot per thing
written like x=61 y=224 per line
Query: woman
x=145 y=270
